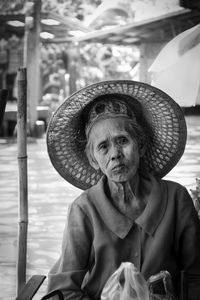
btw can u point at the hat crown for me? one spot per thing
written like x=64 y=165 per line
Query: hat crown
x=108 y=108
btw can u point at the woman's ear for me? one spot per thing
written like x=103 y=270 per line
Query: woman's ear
x=93 y=162
x=91 y=158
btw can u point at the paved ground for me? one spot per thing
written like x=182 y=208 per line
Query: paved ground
x=49 y=197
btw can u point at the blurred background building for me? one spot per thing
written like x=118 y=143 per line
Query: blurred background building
x=66 y=45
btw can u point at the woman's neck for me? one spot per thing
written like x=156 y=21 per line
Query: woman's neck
x=124 y=190
x=126 y=197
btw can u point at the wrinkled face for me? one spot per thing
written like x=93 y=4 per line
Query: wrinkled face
x=114 y=150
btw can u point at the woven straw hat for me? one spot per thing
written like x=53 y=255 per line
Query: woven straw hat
x=65 y=133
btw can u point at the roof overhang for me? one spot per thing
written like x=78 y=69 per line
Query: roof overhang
x=60 y=28
x=161 y=28
x=158 y=29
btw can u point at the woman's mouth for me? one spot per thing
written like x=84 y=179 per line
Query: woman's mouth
x=118 y=168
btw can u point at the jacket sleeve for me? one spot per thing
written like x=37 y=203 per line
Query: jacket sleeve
x=69 y=271
x=188 y=233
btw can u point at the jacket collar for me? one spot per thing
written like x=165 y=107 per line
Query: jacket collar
x=121 y=224
x=155 y=209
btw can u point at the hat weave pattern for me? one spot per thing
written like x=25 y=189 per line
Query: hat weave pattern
x=66 y=147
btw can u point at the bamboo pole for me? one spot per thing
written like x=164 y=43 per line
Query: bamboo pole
x=22 y=178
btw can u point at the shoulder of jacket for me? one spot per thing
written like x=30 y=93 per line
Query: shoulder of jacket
x=174 y=184
x=83 y=201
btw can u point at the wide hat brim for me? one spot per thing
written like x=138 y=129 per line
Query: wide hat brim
x=66 y=146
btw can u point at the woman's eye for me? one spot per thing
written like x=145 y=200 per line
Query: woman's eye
x=102 y=146
x=122 y=140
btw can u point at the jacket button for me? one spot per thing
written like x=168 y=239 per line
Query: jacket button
x=136 y=254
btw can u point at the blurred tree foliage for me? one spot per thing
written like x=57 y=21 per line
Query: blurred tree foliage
x=77 y=8
x=88 y=62
x=71 y=8
x=104 y=62
x=12 y=6
x=80 y=8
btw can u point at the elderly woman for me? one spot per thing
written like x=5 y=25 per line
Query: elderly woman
x=116 y=140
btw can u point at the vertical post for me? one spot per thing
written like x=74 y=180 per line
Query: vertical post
x=22 y=178
x=184 y=285
x=33 y=66
x=72 y=67
x=3 y=100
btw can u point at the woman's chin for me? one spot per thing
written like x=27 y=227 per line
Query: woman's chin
x=119 y=177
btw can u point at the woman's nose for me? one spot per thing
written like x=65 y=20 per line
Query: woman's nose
x=115 y=152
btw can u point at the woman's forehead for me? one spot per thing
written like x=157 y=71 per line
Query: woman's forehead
x=110 y=126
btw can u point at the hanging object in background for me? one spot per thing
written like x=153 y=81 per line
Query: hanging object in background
x=3 y=62
x=3 y=53
x=176 y=70
x=14 y=60
x=13 y=45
